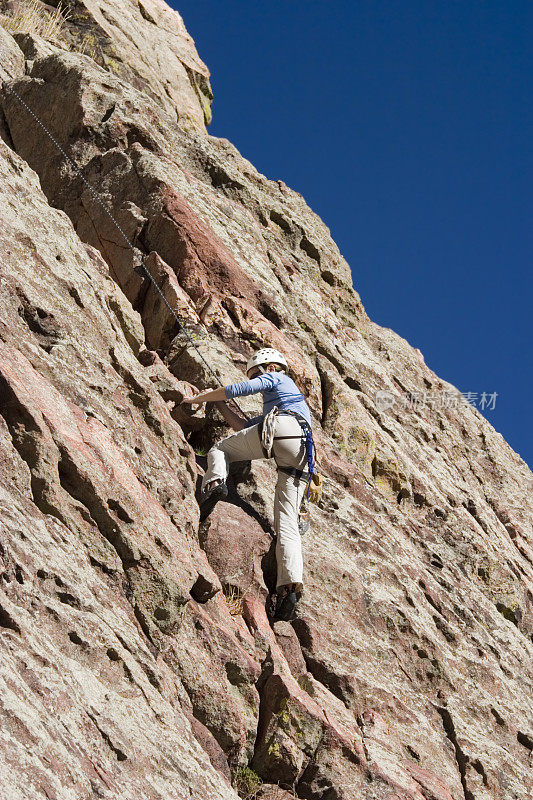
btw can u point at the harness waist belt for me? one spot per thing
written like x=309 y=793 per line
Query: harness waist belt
x=298 y=473
x=298 y=416
x=306 y=436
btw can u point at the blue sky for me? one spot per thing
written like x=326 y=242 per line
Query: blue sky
x=405 y=126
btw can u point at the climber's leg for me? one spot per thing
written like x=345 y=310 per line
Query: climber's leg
x=244 y=445
x=290 y=452
x=287 y=499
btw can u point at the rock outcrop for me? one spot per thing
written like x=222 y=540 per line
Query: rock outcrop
x=142 y=42
x=137 y=660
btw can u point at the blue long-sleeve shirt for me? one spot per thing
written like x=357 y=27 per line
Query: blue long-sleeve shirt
x=277 y=389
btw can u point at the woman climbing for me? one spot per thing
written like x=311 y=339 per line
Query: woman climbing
x=282 y=432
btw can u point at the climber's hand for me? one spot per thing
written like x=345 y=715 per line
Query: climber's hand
x=208 y=396
x=193 y=399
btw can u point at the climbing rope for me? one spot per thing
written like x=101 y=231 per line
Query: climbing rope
x=140 y=267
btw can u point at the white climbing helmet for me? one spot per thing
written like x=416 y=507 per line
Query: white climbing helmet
x=266 y=356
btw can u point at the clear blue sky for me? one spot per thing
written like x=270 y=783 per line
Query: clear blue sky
x=407 y=127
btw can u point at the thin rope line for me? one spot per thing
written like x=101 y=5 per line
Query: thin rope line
x=129 y=244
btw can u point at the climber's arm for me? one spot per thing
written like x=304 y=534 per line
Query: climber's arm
x=232 y=390
x=231 y=417
x=253 y=386
x=217 y=396
x=207 y=396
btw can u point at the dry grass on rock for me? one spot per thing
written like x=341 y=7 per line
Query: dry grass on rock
x=234 y=598
x=31 y=16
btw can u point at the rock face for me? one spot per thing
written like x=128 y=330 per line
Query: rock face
x=142 y=42
x=137 y=660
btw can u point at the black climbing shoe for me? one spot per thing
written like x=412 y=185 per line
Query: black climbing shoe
x=218 y=492
x=285 y=606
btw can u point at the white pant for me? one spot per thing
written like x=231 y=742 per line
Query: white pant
x=245 y=445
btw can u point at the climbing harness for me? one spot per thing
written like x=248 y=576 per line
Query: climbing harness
x=309 y=447
x=266 y=432
x=141 y=267
x=315 y=480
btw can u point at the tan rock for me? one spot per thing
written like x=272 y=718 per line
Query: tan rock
x=89 y=691
x=145 y=44
x=11 y=57
x=11 y=66
x=150 y=44
x=160 y=325
x=218 y=672
x=271 y=791
x=407 y=672
x=235 y=544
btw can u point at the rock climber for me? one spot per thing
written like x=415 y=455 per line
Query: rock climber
x=282 y=432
